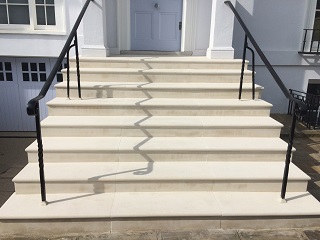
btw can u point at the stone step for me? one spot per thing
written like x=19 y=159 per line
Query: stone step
x=158 y=62
x=157 y=107
x=159 y=126
x=146 y=149
x=146 y=211
x=157 y=90
x=159 y=75
x=95 y=177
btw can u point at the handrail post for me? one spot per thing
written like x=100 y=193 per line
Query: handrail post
x=40 y=156
x=243 y=64
x=304 y=40
x=77 y=62
x=253 y=73
x=289 y=153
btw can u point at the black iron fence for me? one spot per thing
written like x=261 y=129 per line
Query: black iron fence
x=312 y=117
x=311 y=41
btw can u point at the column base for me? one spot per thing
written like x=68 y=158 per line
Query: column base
x=95 y=51
x=220 y=53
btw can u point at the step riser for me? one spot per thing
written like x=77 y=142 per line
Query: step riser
x=57 y=157
x=157 y=93
x=148 y=77
x=154 y=65
x=156 y=132
x=161 y=186
x=154 y=111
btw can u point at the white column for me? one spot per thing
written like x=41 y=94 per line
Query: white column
x=94 y=30
x=221 y=33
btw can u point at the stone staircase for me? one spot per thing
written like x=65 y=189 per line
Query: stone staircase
x=158 y=143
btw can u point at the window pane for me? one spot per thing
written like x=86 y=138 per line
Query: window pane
x=2 y=1
x=1 y=77
x=33 y=66
x=25 y=66
x=9 y=77
x=18 y=1
x=7 y=66
x=41 y=17
x=18 y=14
x=1 y=68
x=318 y=4
x=42 y=67
x=43 y=77
x=59 y=77
x=25 y=77
x=50 y=1
x=39 y=1
x=3 y=15
x=34 y=77
x=51 y=20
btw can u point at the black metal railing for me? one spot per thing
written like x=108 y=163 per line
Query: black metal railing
x=312 y=117
x=33 y=104
x=311 y=41
x=298 y=105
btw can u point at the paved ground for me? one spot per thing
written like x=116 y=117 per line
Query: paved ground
x=307 y=157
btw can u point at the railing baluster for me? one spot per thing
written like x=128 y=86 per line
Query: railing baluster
x=40 y=156
x=304 y=40
x=289 y=153
x=77 y=63
x=243 y=64
x=253 y=73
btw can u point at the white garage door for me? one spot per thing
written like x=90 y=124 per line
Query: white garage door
x=20 y=80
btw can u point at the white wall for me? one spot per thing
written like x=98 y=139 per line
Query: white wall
x=203 y=23
x=41 y=45
x=278 y=27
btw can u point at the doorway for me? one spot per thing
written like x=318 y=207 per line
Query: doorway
x=156 y=25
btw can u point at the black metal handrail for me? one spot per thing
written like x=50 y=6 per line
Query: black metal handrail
x=298 y=105
x=311 y=41
x=33 y=104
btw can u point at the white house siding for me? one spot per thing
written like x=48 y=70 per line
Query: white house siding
x=278 y=28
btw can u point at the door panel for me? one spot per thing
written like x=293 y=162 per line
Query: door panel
x=167 y=30
x=155 y=25
x=143 y=25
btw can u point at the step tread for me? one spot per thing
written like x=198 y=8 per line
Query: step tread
x=161 y=121
x=159 y=102
x=161 y=71
x=160 y=171
x=159 y=144
x=158 y=59
x=262 y=205
x=152 y=86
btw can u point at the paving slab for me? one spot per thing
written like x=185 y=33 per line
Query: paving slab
x=312 y=234
x=271 y=234
x=201 y=235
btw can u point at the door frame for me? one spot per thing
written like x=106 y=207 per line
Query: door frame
x=188 y=34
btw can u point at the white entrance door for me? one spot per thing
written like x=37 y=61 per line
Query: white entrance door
x=156 y=25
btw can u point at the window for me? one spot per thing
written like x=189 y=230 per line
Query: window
x=32 y=16
x=33 y=71
x=59 y=73
x=316 y=25
x=6 y=71
x=14 y=12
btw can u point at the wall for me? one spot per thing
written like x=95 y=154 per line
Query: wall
x=278 y=27
x=203 y=23
x=41 y=45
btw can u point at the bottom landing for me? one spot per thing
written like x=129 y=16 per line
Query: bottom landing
x=123 y=212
